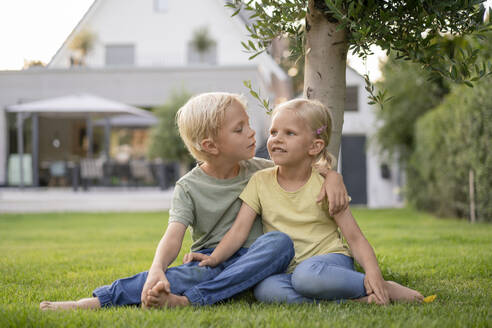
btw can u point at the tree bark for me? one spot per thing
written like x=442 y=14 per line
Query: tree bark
x=325 y=65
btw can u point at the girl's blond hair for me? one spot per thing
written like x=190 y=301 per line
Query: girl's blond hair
x=318 y=118
x=201 y=117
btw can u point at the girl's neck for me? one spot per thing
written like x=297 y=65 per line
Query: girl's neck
x=292 y=178
x=222 y=170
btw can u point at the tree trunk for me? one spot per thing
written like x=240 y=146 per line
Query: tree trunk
x=324 y=71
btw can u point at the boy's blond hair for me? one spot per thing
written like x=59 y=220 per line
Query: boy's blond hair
x=318 y=118
x=201 y=117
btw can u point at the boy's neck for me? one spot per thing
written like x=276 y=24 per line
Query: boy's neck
x=292 y=178
x=220 y=169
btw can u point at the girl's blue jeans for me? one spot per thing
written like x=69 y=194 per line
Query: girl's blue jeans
x=322 y=277
x=270 y=254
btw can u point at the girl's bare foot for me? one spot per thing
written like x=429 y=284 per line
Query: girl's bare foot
x=85 y=303
x=370 y=299
x=158 y=297
x=398 y=292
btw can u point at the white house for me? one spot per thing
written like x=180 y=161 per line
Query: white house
x=150 y=34
x=145 y=49
x=369 y=178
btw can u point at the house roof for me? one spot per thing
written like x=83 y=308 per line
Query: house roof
x=270 y=66
x=89 y=12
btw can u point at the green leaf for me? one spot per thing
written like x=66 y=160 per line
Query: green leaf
x=236 y=12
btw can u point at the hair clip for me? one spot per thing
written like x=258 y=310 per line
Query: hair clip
x=320 y=130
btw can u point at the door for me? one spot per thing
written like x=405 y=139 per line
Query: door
x=354 y=170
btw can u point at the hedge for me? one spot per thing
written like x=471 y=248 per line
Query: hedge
x=451 y=140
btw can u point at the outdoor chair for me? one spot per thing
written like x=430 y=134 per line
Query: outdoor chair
x=91 y=169
x=58 y=172
x=140 y=171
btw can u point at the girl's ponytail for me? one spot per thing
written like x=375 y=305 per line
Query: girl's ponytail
x=326 y=161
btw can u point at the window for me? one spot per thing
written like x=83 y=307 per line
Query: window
x=161 y=5
x=120 y=55
x=352 y=99
x=208 y=56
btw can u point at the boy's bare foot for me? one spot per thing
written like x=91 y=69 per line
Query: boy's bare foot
x=158 y=297
x=398 y=292
x=85 y=303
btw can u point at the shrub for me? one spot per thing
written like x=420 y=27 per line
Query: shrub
x=451 y=140
x=165 y=140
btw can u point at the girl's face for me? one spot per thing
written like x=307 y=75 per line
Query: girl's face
x=290 y=139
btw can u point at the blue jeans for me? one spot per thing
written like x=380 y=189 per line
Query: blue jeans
x=322 y=277
x=271 y=253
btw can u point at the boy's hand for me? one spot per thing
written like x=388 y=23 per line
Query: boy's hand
x=154 y=276
x=205 y=260
x=374 y=283
x=334 y=191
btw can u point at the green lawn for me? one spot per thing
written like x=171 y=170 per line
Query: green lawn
x=65 y=256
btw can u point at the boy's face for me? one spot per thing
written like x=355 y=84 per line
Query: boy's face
x=235 y=138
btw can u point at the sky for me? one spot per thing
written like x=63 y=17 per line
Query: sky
x=35 y=30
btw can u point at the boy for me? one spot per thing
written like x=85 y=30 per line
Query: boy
x=216 y=131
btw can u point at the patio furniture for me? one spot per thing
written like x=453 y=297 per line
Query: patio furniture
x=165 y=174
x=140 y=172
x=91 y=169
x=79 y=106
x=58 y=173
x=14 y=173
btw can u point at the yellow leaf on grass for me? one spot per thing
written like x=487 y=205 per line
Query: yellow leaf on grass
x=430 y=299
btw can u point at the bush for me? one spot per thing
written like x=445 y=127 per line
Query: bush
x=451 y=140
x=165 y=140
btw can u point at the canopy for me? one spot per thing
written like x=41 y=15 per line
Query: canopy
x=83 y=106
x=129 y=121
x=79 y=105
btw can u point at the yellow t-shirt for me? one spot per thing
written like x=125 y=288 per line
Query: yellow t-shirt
x=296 y=213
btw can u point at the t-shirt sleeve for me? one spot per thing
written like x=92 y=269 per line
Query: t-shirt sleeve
x=262 y=163
x=181 y=207
x=250 y=194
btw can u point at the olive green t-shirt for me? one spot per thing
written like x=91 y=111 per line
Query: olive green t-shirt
x=209 y=205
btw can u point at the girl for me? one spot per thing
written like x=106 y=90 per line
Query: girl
x=323 y=267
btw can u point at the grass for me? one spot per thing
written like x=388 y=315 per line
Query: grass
x=65 y=256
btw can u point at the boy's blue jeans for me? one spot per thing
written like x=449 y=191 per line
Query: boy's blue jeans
x=270 y=254
x=322 y=277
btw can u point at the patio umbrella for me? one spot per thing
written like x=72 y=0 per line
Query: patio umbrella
x=129 y=121
x=72 y=106
x=78 y=105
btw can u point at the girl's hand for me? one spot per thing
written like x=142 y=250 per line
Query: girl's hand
x=205 y=260
x=374 y=283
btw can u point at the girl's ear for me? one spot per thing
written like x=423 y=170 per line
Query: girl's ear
x=209 y=146
x=316 y=147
